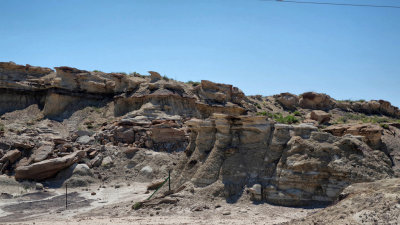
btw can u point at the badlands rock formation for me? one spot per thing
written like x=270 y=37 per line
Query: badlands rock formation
x=293 y=164
x=66 y=89
x=284 y=149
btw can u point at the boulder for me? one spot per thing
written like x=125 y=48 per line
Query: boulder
x=154 y=76
x=47 y=168
x=147 y=170
x=312 y=100
x=107 y=161
x=96 y=161
x=84 y=140
x=42 y=153
x=320 y=116
x=11 y=156
x=256 y=192
x=287 y=100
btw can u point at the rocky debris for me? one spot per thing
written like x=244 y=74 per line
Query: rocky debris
x=96 y=161
x=146 y=171
x=84 y=140
x=256 y=192
x=371 y=132
x=42 y=152
x=294 y=164
x=287 y=100
x=362 y=203
x=11 y=156
x=77 y=175
x=23 y=144
x=39 y=186
x=8 y=159
x=312 y=100
x=320 y=116
x=47 y=168
x=142 y=131
x=107 y=161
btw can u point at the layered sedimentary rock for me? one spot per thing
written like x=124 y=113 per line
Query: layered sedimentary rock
x=69 y=89
x=371 y=132
x=294 y=164
x=320 y=101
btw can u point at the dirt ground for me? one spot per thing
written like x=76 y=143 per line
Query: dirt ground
x=112 y=204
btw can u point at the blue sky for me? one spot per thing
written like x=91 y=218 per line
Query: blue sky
x=261 y=47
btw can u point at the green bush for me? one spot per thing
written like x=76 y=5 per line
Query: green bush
x=97 y=71
x=166 y=78
x=263 y=113
x=194 y=83
x=348 y=117
x=2 y=127
x=296 y=113
x=137 y=205
x=290 y=119
x=385 y=126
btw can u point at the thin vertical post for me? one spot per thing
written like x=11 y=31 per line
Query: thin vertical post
x=66 y=196
x=169 y=180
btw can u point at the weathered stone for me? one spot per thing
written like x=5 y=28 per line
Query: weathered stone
x=256 y=192
x=287 y=100
x=11 y=156
x=312 y=100
x=84 y=140
x=154 y=76
x=371 y=132
x=42 y=153
x=107 y=161
x=320 y=116
x=96 y=161
x=47 y=168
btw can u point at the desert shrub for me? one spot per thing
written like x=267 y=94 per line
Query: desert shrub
x=194 y=83
x=296 y=113
x=385 y=126
x=97 y=71
x=94 y=109
x=137 y=205
x=263 y=113
x=290 y=119
x=376 y=119
x=348 y=117
x=258 y=106
x=166 y=78
x=2 y=127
